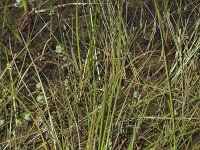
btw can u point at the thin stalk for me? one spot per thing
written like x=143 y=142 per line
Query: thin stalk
x=28 y=21
x=77 y=36
x=171 y=102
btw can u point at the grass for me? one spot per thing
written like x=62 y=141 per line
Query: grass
x=100 y=75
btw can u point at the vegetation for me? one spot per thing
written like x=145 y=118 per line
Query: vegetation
x=99 y=75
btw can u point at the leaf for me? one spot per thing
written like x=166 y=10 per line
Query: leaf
x=18 y=1
x=26 y=116
x=40 y=98
x=18 y=122
x=1 y=100
x=2 y=122
x=136 y=95
x=58 y=49
x=38 y=86
x=66 y=82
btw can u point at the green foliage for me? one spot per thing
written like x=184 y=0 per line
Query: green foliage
x=100 y=75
